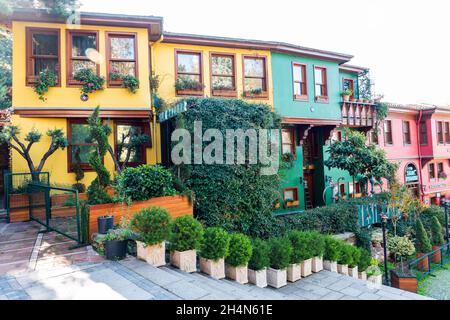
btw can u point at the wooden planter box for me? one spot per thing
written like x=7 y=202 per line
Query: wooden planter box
x=190 y=92
x=262 y=95
x=404 y=282
x=224 y=93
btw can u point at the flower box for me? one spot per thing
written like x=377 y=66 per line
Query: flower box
x=317 y=264
x=190 y=92
x=238 y=274
x=250 y=95
x=276 y=278
x=342 y=269
x=353 y=272
x=294 y=272
x=407 y=282
x=258 y=278
x=290 y=204
x=215 y=269
x=306 y=268
x=330 y=265
x=224 y=93
x=154 y=255
x=184 y=260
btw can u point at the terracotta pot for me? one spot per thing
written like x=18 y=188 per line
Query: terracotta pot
x=306 y=268
x=317 y=264
x=238 y=274
x=294 y=272
x=436 y=258
x=342 y=269
x=215 y=269
x=258 y=278
x=346 y=98
x=154 y=255
x=184 y=260
x=353 y=272
x=407 y=283
x=276 y=278
x=362 y=275
x=423 y=264
x=330 y=265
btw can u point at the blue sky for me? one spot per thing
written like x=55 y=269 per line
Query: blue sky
x=404 y=43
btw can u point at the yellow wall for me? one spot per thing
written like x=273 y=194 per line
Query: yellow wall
x=63 y=96
x=163 y=63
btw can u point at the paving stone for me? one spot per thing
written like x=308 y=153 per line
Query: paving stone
x=186 y=290
x=333 y=295
x=339 y=285
x=349 y=291
x=369 y=296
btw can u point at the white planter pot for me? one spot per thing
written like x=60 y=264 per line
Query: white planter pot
x=342 y=269
x=330 y=265
x=353 y=272
x=215 y=269
x=258 y=278
x=362 y=275
x=294 y=272
x=276 y=278
x=317 y=264
x=185 y=261
x=155 y=255
x=238 y=274
x=377 y=280
x=306 y=268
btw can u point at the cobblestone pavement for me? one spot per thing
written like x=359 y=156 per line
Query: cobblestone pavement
x=438 y=285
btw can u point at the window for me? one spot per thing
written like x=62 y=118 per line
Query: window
x=320 y=84
x=423 y=133
x=440 y=169
x=79 y=143
x=299 y=78
x=431 y=172
x=388 y=132
x=373 y=136
x=290 y=196
x=288 y=141
x=121 y=50
x=223 y=73
x=447 y=132
x=406 y=133
x=255 y=75
x=439 y=132
x=342 y=191
x=349 y=84
x=339 y=135
x=80 y=52
x=124 y=131
x=189 y=72
x=43 y=52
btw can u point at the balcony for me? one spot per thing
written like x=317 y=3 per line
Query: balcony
x=358 y=114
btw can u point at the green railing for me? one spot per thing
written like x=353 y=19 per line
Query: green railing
x=430 y=262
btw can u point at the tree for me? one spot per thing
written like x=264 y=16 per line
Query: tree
x=423 y=244
x=437 y=238
x=365 y=85
x=10 y=136
x=79 y=173
x=5 y=69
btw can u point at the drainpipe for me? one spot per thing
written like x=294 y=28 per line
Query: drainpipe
x=420 y=155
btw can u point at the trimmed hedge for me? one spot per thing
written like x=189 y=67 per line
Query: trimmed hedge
x=187 y=234
x=215 y=245
x=423 y=244
x=280 y=253
x=152 y=225
x=240 y=250
x=346 y=256
x=301 y=246
x=364 y=260
x=332 y=249
x=260 y=256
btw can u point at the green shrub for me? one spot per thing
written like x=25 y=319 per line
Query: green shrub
x=260 y=255
x=215 y=245
x=317 y=244
x=186 y=234
x=364 y=260
x=45 y=80
x=364 y=238
x=280 y=253
x=332 y=249
x=240 y=250
x=301 y=246
x=152 y=225
x=437 y=237
x=356 y=256
x=131 y=83
x=90 y=82
x=145 y=182
x=428 y=213
x=423 y=244
x=346 y=256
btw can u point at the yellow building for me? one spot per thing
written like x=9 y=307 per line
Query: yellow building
x=108 y=45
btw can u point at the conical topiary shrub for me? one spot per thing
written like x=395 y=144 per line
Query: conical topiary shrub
x=437 y=239
x=423 y=245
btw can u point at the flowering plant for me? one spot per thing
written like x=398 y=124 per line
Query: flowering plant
x=90 y=82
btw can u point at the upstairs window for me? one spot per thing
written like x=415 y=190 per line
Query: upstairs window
x=299 y=78
x=423 y=133
x=439 y=132
x=43 y=53
x=440 y=169
x=447 y=132
x=349 y=84
x=223 y=77
x=406 y=133
x=320 y=82
x=255 y=77
x=431 y=172
x=388 y=132
x=288 y=141
x=81 y=47
x=121 y=50
x=189 y=77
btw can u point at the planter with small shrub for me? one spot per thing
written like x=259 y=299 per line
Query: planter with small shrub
x=152 y=226
x=240 y=252
x=294 y=270
x=259 y=262
x=346 y=94
x=317 y=251
x=423 y=245
x=115 y=242
x=185 y=238
x=363 y=263
x=331 y=254
x=437 y=239
x=280 y=257
x=374 y=274
x=214 y=249
x=353 y=265
x=345 y=258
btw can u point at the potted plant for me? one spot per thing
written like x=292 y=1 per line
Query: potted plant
x=294 y=270
x=401 y=276
x=331 y=253
x=185 y=238
x=240 y=252
x=105 y=223
x=90 y=82
x=317 y=250
x=223 y=90
x=346 y=94
x=345 y=258
x=437 y=239
x=131 y=83
x=115 y=242
x=442 y=175
x=423 y=245
x=188 y=86
x=254 y=93
x=374 y=274
x=152 y=226
x=259 y=262
x=353 y=265
x=280 y=257
x=214 y=249
x=307 y=254
x=44 y=81
x=363 y=263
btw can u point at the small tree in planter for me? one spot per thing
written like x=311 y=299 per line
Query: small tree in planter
x=185 y=239
x=374 y=274
x=345 y=258
x=240 y=252
x=280 y=257
x=294 y=270
x=364 y=263
x=214 y=249
x=317 y=250
x=437 y=239
x=346 y=94
x=153 y=228
x=115 y=242
x=259 y=262
x=401 y=277
x=332 y=253
x=353 y=265
x=423 y=245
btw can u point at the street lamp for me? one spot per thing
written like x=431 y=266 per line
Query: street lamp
x=373 y=181
x=384 y=219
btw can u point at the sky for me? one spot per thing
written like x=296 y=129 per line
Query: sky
x=405 y=43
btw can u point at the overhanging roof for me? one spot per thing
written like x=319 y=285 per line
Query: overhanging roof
x=353 y=69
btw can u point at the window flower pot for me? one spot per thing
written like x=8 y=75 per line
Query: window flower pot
x=154 y=255
x=215 y=269
x=317 y=264
x=224 y=93
x=342 y=269
x=362 y=275
x=238 y=274
x=330 y=265
x=105 y=223
x=346 y=97
x=377 y=279
x=258 y=278
x=116 y=249
x=402 y=281
x=190 y=92
x=354 y=100
x=294 y=272
x=276 y=278
x=436 y=257
x=353 y=272
x=306 y=268
x=250 y=95
x=184 y=260
x=423 y=264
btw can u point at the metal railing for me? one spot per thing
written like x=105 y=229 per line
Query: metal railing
x=431 y=261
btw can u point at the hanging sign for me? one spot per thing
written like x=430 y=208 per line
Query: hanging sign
x=173 y=112
x=411 y=175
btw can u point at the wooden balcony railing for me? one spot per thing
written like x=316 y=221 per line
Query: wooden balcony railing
x=358 y=114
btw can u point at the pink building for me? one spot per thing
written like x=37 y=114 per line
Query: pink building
x=418 y=138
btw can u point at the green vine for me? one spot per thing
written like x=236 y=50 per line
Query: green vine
x=131 y=83
x=382 y=110
x=288 y=160
x=188 y=84
x=90 y=82
x=45 y=80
